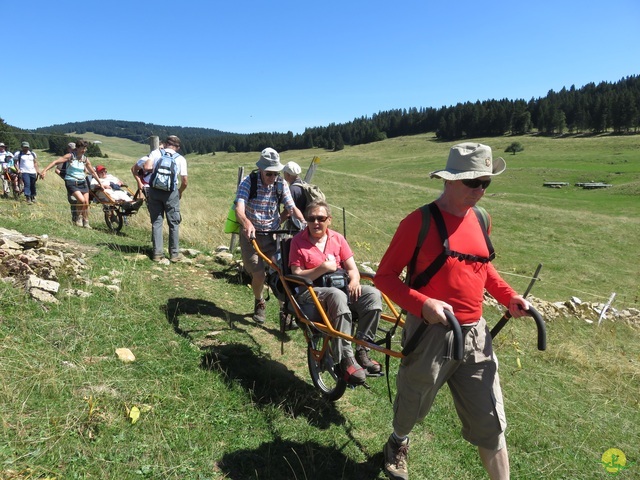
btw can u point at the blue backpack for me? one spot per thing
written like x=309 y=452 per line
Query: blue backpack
x=164 y=175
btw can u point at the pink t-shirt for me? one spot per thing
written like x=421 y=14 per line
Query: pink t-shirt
x=306 y=255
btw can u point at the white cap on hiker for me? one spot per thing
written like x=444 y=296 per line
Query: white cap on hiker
x=292 y=168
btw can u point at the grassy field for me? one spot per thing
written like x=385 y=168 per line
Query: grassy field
x=219 y=400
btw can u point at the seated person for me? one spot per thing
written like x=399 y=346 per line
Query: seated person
x=111 y=185
x=142 y=177
x=317 y=250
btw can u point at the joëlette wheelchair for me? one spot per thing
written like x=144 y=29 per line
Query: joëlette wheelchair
x=116 y=212
x=12 y=183
x=319 y=331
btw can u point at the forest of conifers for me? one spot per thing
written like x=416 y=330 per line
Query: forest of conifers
x=591 y=109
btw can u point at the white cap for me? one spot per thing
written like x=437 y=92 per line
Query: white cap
x=292 y=168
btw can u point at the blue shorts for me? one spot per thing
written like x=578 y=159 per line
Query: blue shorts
x=76 y=186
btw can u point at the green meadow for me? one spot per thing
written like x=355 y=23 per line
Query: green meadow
x=222 y=398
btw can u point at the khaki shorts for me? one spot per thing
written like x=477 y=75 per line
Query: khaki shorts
x=250 y=258
x=473 y=381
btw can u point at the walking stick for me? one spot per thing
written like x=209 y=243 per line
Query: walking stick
x=507 y=315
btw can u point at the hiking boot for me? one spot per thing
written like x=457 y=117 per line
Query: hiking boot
x=395 y=458
x=79 y=223
x=176 y=258
x=352 y=372
x=157 y=258
x=371 y=366
x=85 y=224
x=259 y=311
x=287 y=322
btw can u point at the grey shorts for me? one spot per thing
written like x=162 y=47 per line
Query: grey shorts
x=473 y=381
x=250 y=258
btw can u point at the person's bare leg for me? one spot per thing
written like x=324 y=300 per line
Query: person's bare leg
x=496 y=463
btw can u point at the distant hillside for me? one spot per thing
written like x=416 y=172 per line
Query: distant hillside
x=136 y=131
x=591 y=109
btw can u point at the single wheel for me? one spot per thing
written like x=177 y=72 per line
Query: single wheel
x=113 y=219
x=322 y=370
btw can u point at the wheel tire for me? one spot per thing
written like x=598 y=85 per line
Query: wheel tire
x=322 y=372
x=113 y=219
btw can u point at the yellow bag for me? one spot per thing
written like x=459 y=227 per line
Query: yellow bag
x=232 y=225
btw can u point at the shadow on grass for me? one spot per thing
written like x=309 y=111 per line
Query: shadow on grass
x=271 y=383
x=176 y=307
x=145 y=250
x=285 y=460
x=268 y=382
x=232 y=274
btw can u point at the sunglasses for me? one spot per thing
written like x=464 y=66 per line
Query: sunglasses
x=476 y=182
x=272 y=174
x=317 y=218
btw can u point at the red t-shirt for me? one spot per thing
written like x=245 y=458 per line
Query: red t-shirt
x=459 y=283
x=306 y=255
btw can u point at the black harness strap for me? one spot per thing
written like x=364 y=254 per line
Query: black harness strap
x=424 y=278
x=428 y=211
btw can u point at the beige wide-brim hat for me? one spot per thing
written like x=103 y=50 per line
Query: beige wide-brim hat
x=269 y=161
x=470 y=160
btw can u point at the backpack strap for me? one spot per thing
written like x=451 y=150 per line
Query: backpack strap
x=485 y=222
x=253 y=188
x=424 y=278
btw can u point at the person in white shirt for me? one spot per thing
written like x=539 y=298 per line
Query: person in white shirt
x=28 y=166
x=162 y=202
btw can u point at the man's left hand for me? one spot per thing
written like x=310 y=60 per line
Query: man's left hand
x=518 y=306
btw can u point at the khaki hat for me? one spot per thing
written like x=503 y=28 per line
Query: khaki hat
x=25 y=144
x=470 y=160
x=269 y=161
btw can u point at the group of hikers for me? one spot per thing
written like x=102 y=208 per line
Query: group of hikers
x=157 y=176
x=443 y=247
x=448 y=268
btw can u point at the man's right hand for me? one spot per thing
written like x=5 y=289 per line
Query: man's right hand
x=433 y=311
x=249 y=231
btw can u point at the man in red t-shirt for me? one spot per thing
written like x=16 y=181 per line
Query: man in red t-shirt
x=458 y=286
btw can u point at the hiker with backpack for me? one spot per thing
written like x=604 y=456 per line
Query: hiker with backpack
x=166 y=166
x=303 y=193
x=27 y=164
x=257 y=207
x=446 y=249
x=78 y=166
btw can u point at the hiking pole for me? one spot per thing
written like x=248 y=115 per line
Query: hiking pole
x=507 y=315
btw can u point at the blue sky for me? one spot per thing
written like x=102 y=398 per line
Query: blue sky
x=275 y=66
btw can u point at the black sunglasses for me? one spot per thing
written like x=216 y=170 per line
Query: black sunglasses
x=476 y=182
x=272 y=174
x=317 y=218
